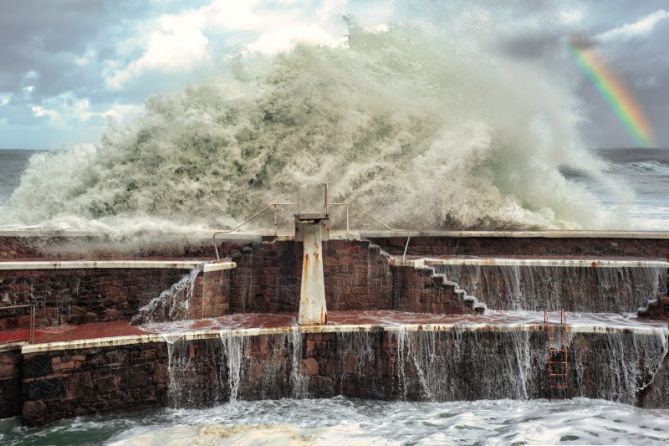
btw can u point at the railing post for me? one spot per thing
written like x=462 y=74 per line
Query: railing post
x=406 y=247
x=276 y=224
x=347 y=225
x=31 y=338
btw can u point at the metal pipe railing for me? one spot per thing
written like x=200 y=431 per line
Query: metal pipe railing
x=31 y=330
x=275 y=206
x=362 y=211
x=249 y=219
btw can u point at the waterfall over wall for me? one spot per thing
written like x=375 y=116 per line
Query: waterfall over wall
x=439 y=365
x=572 y=288
x=172 y=304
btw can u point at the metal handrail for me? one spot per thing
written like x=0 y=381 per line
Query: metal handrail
x=358 y=208
x=31 y=331
x=247 y=220
x=327 y=208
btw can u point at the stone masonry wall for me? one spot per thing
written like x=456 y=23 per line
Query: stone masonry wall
x=10 y=382
x=72 y=383
x=81 y=296
x=526 y=246
x=358 y=276
x=101 y=247
x=433 y=366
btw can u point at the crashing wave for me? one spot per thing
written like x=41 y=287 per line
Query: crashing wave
x=413 y=126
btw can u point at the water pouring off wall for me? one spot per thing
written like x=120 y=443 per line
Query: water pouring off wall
x=216 y=291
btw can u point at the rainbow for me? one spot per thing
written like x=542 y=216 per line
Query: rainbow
x=614 y=92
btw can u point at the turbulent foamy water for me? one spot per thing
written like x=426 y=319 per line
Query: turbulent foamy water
x=353 y=422
x=419 y=128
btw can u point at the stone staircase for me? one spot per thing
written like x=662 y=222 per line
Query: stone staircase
x=439 y=280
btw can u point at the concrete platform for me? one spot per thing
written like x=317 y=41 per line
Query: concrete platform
x=117 y=333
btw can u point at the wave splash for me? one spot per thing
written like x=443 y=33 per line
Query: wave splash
x=411 y=125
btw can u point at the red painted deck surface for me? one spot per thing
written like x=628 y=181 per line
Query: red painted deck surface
x=66 y=333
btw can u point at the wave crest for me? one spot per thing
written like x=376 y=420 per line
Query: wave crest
x=413 y=126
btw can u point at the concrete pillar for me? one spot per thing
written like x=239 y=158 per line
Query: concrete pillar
x=312 y=231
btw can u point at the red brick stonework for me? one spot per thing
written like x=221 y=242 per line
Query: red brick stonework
x=358 y=276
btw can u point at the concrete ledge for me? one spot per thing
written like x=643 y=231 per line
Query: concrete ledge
x=572 y=263
x=343 y=328
x=522 y=234
x=115 y=264
x=218 y=266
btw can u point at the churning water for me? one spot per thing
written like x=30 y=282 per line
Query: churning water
x=399 y=122
x=417 y=127
x=643 y=172
x=355 y=422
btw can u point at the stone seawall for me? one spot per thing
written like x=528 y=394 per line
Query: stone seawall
x=623 y=245
x=11 y=376
x=379 y=363
x=590 y=288
x=568 y=243
x=24 y=245
x=358 y=276
x=72 y=383
x=81 y=295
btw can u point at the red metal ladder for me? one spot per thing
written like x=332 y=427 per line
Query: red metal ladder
x=557 y=372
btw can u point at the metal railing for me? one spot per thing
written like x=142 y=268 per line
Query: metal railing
x=367 y=214
x=31 y=332
x=348 y=206
x=274 y=206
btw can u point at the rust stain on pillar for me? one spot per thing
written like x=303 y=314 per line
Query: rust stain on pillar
x=311 y=230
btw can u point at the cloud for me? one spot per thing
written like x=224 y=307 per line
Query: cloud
x=641 y=28
x=63 y=110
x=182 y=42
x=79 y=63
x=571 y=17
x=175 y=43
x=5 y=98
x=66 y=110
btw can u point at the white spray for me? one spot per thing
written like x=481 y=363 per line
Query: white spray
x=416 y=127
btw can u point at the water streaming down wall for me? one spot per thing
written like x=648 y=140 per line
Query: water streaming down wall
x=431 y=365
x=77 y=296
x=233 y=350
x=232 y=367
x=573 y=288
x=616 y=366
x=172 y=304
x=194 y=372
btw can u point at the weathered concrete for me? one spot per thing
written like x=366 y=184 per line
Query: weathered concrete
x=313 y=307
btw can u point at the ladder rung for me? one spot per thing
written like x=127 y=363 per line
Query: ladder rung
x=558 y=352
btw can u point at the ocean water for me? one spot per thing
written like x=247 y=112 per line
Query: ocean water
x=642 y=175
x=340 y=420
x=13 y=163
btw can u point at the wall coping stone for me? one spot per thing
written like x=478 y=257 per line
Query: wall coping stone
x=500 y=261
x=342 y=328
x=116 y=264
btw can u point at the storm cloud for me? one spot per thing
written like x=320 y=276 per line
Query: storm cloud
x=69 y=66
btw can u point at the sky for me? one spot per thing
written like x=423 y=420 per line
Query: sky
x=69 y=68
